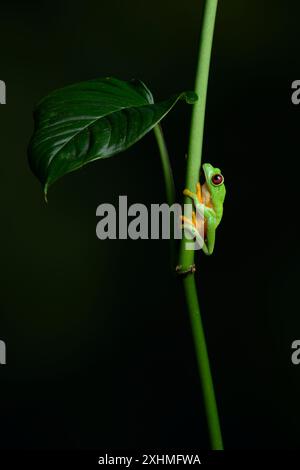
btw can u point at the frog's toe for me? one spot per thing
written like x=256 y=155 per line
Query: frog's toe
x=188 y=193
x=186 y=220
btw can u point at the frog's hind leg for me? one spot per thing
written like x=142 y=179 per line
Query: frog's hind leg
x=208 y=246
x=186 y=220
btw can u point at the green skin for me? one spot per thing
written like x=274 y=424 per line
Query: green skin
x=212 y=215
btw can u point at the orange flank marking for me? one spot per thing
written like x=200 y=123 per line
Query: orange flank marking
x=194 y=219
x=198 y=192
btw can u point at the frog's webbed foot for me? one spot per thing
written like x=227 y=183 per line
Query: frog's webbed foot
x=189 y=224
x=186 y=221
x=191 y=195
x=190 y=227
x=197 y=196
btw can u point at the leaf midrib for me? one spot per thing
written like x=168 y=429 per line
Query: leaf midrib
x=91 y=124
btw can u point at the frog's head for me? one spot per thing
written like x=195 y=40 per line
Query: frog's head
x=215 y=183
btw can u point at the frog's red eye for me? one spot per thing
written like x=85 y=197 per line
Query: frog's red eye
x=217 y=179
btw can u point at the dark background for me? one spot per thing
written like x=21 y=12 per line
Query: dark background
x=99 y=347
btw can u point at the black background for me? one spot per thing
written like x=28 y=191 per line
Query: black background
x=99 y=347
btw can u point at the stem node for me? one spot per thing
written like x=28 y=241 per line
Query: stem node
x=181 y=271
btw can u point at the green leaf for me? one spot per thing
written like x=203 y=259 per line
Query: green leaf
x=87 y=121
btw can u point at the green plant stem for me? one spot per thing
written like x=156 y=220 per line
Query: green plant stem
x=209 y=399
x=186 y=257
x=169 y=185
x=166 y=166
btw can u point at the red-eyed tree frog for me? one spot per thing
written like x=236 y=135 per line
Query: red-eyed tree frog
x=208 y=202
